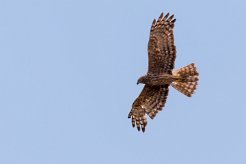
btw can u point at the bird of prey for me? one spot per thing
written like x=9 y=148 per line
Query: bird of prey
x=160 y=75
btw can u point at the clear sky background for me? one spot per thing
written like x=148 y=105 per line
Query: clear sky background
x=68 y=72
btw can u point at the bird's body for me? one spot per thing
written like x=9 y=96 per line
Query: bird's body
x=160 y=75
x=161 y=79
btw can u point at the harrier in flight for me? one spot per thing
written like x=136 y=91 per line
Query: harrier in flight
x=160 y=75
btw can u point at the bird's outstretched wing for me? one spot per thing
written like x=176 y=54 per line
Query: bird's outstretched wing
x=151 y=100
x=161 y=48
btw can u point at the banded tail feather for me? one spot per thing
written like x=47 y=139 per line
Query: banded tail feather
x=187 y=81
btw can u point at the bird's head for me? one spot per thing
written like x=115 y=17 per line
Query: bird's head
x=142 y=80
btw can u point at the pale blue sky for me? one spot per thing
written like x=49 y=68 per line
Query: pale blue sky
x=68 y=72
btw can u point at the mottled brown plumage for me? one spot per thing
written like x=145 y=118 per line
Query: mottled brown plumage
x=161 y=56
x=161 y=48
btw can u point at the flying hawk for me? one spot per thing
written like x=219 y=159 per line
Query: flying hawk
x=160 y=75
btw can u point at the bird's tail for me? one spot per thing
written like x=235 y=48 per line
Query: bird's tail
x=187 y=79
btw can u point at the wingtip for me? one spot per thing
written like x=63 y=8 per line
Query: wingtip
x=161 y=16
x=166 y=16
x=143 y=129
x=154 y=21
x=130 y=115
x=171 y=17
